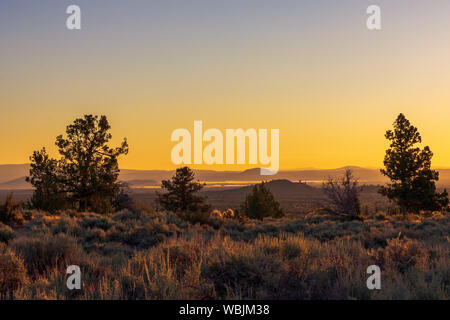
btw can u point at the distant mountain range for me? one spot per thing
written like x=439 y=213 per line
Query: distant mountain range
x=12 y=177
x=369 y=176
x=11 y=172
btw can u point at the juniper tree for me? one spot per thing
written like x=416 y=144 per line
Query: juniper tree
x=261 y=203
x=45 y=177
x=413 y=182
x=86 y=174
x=181 y=196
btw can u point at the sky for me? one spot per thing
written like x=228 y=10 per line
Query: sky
x=309 y=68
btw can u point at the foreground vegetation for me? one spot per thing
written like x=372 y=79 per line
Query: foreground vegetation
x=186 y=250
x=157 y=255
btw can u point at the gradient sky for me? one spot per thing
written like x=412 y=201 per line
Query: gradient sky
x=308 y=68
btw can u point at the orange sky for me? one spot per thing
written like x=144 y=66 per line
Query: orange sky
x=315 y=72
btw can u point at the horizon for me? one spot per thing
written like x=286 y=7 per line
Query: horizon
x=193 y=167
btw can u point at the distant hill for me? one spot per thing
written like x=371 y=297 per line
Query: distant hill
x=371 y=176
x=277 y=187
x=9 y=172
x=141 y=183
x=284 y=191
x=15 y=184
x=12 y=176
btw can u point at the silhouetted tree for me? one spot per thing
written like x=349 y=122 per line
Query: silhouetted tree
x=343 y=195
x=408 y=167
x=87 y=172
x=45 y=177
x=261 y=203
x=123 y=201
x=181 y=196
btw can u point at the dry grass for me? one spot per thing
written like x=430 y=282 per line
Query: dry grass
x=144 y=255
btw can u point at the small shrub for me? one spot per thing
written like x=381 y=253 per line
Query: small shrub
x=216 y=214
x=10 y=212
x=95 y=235
x=12 y=272
x=28 y=215
x=229 y=214
x=124 y=215
x=393 y=211
x=401 y=254
x=97 y=221
x=45 y=252
x=6 y=233
x=123 y=201
x=39 y=225
x=343 y=196
x=147 y=235
x=200 y=215
x=65 y=225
